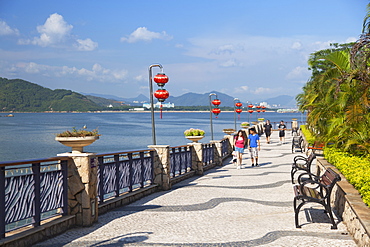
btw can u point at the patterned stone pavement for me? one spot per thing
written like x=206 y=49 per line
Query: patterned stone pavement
x=252 y=206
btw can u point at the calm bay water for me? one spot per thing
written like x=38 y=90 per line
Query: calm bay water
x=31 y=135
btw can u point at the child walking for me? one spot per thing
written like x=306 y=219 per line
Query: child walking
x=254 y=145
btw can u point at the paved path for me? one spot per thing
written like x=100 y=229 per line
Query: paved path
x=225 y=207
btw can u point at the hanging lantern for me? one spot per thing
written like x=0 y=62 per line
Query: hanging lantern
x=250 y=111
x=263 y=108
x=238 y=111
x=250 y=106
x=161 y=79
x=238 y=104
x=161 y=94
x=216 y=102
x=216 y=111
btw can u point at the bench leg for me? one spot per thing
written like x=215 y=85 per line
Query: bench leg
x=334 y=225
x=296 y=212
x=292 y=172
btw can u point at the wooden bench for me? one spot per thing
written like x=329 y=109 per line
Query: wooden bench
x=315 y=147
x=316 y=189
x=298 y=143
x=301 y=163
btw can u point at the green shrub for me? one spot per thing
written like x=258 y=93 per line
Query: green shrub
x=307 y=134
x=78 y=133
x=194 y=132
x=355 y=169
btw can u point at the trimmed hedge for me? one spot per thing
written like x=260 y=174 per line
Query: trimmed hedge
x=355 y=169
x=307 y=134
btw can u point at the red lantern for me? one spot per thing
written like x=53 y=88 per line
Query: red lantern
x=250 y=106
x=161 y=94
x=161 y=79
x=238 y=111
x=250 y=111
x=238 y=104
x=216 y=111
x=216 y=102
x=258 y=111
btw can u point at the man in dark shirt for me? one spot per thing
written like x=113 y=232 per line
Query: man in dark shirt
x=282 y=128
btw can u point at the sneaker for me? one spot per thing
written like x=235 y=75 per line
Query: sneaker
x=238 y=167
x=252 y=164
x=257 y=164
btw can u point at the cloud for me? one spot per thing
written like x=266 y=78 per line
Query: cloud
x=229 y=63
x=56 y=32
x=298 y=72
x=86 y=45
x=351 y=39
x=262 y=90
x=297 y=45
x=97 y=72
x=225 y=49
x=241 y=89
x=143 y=34
x=6 y=30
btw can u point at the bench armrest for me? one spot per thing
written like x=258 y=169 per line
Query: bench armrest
x=307 y=177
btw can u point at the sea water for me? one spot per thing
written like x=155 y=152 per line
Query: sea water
x=31 y=135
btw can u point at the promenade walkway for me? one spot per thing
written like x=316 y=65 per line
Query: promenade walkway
x=252 y=206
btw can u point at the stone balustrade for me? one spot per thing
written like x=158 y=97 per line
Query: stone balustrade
x=83 y=206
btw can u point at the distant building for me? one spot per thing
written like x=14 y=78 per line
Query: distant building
x=158 y=105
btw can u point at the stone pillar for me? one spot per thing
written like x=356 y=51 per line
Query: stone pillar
x=162 y=166
x=82 y=187
x=217 y=145
x=197 y=158
x=230 y=147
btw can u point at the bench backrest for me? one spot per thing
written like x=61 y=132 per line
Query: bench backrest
x=329 y=178
x=310 y=158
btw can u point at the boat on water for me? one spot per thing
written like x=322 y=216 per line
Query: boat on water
x=9 y=115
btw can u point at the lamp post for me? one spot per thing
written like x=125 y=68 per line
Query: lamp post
x=162 y=94
x=216 y=102
x=237 y=109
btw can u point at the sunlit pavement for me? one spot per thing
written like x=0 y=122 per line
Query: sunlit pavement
x=252 y=206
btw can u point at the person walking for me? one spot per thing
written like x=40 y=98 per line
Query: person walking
x=239 y=142
x=254 y=145
x=282 y=128
x=267 y=129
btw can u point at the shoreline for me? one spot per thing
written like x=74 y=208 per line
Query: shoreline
x=156 y=111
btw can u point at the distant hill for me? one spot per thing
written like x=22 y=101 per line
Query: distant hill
x=20 y=95
x=282 y=101
x=196 y=99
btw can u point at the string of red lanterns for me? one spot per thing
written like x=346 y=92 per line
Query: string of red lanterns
x=161 y=94
x=216 y=110
x=238 y=108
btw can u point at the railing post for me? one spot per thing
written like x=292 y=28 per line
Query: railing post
x=162 y=166
x=2 y=202
x=37 y=193
x=197 y=158
x=82 y=187
x=64 y=168
x=101 y=179
x=217 y=150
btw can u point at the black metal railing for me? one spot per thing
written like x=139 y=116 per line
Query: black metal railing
x=180 y=158
x=32 y=191
x=225 y=147
x=208 y=154
x=123 y=172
